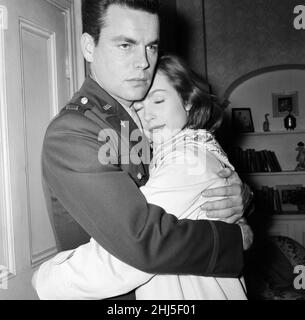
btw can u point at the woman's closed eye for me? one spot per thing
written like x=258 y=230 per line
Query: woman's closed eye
x=158 y=101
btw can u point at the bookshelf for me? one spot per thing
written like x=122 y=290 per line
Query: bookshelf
x=270 y=133
x=256 y=92
x=273 y=179
x=280 y=173
x=283 y=144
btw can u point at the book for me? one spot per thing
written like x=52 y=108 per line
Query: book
x=277 y=202
x=273 y=164
x=262 y=161
x=276 y=162
x=248 y=161
x=251 y=161
x=254 y=165
x=258 y=164
x=266 y=161
x=270 y=203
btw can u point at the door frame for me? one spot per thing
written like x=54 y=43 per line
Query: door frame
x=8 y=269
x=75 y=60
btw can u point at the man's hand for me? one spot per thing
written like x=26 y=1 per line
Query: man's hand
x=237 y=198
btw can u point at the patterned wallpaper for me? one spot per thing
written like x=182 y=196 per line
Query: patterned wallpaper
x=246 y=35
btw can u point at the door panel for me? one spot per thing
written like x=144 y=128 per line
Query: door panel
x=38 y=51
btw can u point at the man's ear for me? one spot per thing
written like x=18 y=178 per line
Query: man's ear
x=88 y=46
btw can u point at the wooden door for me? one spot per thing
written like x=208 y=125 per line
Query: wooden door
x=36 y=81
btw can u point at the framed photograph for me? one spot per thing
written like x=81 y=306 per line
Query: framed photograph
x=285 y=103
x=242 y=120
x=287 y=193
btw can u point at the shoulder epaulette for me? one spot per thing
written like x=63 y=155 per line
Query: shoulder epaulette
x=82 y=104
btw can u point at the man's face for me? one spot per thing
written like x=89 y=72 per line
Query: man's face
x=125 y=57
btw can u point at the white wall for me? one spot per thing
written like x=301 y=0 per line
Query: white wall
x=256 y=93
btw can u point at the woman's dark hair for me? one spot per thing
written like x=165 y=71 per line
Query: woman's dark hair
x=94 y=12
x=206 y=112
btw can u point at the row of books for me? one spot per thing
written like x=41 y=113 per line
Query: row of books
x=250 y=160
x=267 y=199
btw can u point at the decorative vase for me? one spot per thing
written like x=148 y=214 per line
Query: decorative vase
x=290 y=122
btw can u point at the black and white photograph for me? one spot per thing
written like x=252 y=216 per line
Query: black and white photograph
x=288 y=197
x=120 y=125
x=242 y=120
x=285 y=103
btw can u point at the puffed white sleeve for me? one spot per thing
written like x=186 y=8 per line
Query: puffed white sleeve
x=87 y=272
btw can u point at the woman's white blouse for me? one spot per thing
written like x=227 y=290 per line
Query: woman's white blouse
x=181 y=169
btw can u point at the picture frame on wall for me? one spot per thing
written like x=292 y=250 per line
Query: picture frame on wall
x=242 y=120
x=283 y=103
x=287 y=196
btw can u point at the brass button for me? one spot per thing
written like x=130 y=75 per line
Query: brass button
x=139 y=176
x=84 y=100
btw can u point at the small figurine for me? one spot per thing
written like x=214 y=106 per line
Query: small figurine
x=266 y=123
x=300 y=157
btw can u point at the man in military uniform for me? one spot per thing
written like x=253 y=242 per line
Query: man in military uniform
x=90 y=197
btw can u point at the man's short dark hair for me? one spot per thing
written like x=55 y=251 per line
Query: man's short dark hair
x=206 y=112
x=94 y=11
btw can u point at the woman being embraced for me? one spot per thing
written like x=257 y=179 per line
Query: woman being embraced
x=180 y=117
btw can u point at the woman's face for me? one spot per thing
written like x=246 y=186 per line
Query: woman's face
x=162 y=113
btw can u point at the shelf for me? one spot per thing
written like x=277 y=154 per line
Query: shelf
x=286 y=215
x=281 y=173
x=270 y=133
x=289 y=216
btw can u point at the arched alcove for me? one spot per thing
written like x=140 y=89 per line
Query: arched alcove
x=255 y=90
